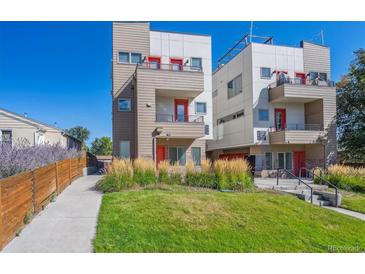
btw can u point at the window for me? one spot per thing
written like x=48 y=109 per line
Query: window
x=323 y=76
x=206 y=129
x=196 y=62
x=124 y=149
x=136 y=58
x=268 y=160
x=313 y=75
x=6 y=137
x=123 y=57
x=177 y=155
x=230 y=117
x=201 y=107
x=124 y=104
x=261 y=135
x=215 y=93
x=234 y=87
x=285 y=160
x=265 y=73
x=196 y=154
x=263 y=114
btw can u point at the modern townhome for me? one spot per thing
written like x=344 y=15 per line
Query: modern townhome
x=162 y=94
x=15 y=128
x=275 y=104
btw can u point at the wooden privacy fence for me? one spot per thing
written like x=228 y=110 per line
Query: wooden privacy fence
x=23 y=195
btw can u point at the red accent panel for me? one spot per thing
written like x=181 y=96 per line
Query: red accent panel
x=230 y=156
x=299 y=162
x=302 y=76
x=155 y=59
x=185 y=103
x=283 y=117
x=161 y=153
x=177 y=61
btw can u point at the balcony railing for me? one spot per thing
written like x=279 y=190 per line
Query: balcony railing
x=179 y=118
x=308 y=127
x=300 y=81
x=172 y=67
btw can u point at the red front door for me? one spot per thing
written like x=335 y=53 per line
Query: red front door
x=181 y=110
x=301 y=77
x=154 y=62
x=176 y=64
x=161 y=153
x=280 y=118
x=299 y=162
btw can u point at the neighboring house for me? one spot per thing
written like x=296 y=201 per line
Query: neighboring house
x=162 y=94
x=275 y=105
x=17 y=128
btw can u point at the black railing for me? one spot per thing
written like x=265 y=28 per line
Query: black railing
x=300 y=81
x=296 y=177
x=172 y=67
x=307 y=127
x=179 y=118
x=307 y=171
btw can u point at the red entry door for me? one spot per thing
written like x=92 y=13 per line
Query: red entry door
x=301 y=77
x=154 y=62
x=176 y=64
x=181 y=110
x=299 y=162
x=161 y=153
x=280 y=118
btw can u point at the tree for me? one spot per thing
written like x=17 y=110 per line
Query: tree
x=351 y=110
x=80 y=133
x=102 y=146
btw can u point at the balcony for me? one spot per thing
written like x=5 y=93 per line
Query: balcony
x=183 y=127
x=170 y=67
x=299 y=90
x=296 y=134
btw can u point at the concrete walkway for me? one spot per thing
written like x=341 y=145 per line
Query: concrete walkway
x=351 y=213
x=66 y=225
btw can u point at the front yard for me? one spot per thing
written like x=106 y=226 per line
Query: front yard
x=353 y=201
x=186 y=219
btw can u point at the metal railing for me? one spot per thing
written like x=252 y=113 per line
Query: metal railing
x=179 y=118
x=301 y=81
x=295 y=177
x=171 y=67
x=307 y=171
x=308 y=127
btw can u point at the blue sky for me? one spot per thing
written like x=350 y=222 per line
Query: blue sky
x=60 y=71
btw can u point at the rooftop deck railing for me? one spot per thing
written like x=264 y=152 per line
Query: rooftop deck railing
x=300 y=81
x=171 y=67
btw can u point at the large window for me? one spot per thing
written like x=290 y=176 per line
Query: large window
x=268 y=160
x=196 y=62
x=136 y=58
x=124 y=149
x=285 y=160
x=313 y=75
x=6 y=137
x=265 y=73
x=196 y=154
x=124 y=57
x=263 y=114
x=124 y=104
x=234 y=87
x=177 y=155
x=201 y=107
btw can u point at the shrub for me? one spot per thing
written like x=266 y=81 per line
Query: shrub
x=22 y=157
x=119 y=175
x=163 y=172
x=144 y=171
x=175 y=175
x=345 y=177
x=200 y=176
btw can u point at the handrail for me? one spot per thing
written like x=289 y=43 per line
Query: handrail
x=299 y=180
x=322 y=180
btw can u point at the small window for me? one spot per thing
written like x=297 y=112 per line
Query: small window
x=215 y=93
x=6 y=137
x=124 y=57
x=234 y=87
x=201 y=107
x=196 y=154
x=323 y=76
x=265 y=73
x=196 y=62
x=206 y=129
x=268 y=160
x=261 y=135
x=136 y=58
x=124 y=149
x=263 y=114
x=124 y=104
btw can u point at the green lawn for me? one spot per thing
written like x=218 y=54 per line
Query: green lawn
x=182 y=219
x=353 y=201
